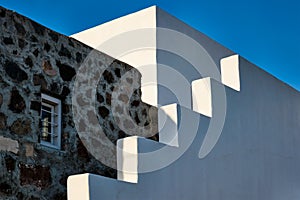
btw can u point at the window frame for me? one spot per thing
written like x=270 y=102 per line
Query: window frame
x=55 y=105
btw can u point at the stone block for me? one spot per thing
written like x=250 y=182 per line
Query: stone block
x=37 y=175
x=7 y=144
x=29 y=150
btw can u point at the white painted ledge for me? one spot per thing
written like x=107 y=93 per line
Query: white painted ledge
x=127 y=159
x=230 y=72
x=202 y=96
x=168 y=125
x=78 y=187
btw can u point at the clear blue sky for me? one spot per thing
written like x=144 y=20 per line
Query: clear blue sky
x=265 y=32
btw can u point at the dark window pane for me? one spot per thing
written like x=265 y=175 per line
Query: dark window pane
x=46 y=123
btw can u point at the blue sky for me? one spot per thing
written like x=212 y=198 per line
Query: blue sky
x=265 y=32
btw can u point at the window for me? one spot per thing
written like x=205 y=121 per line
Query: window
x=50 y=122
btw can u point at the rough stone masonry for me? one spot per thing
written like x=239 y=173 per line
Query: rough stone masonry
x=35 y=60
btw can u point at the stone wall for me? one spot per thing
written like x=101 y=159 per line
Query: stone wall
x=34 y=59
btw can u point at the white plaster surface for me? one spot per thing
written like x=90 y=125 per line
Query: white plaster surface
x=127 y=159
x=256 y=157
x=168 y=125
x=202 y=99
x=250 y=152
x=230 y=72
x=78 y=187
x=131 y=39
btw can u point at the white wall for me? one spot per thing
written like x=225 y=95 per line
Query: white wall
x=131 y=39
x=253 y=154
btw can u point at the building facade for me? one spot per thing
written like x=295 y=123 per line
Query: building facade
x=39 y=143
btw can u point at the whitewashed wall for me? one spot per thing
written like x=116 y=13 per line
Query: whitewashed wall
x=238 y=129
